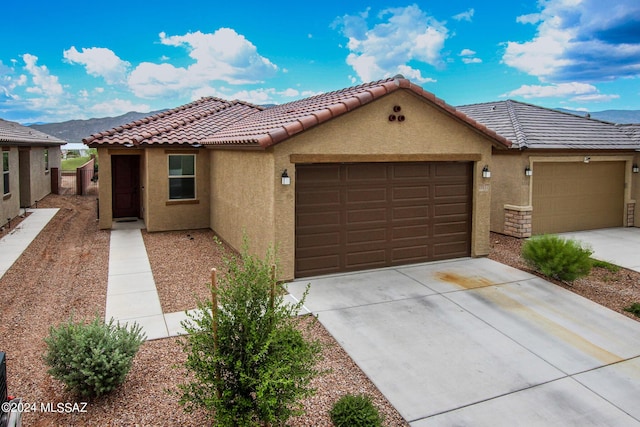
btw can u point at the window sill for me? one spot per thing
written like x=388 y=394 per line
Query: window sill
x=182 y=202
x=6 y=196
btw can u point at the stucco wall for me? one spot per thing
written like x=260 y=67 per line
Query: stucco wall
x=242 y=187
x=512 y=188
x=162 y=214
x=40 y=178
x=104 y=188
x=366 y=134
x=635 y=190
x=10 y=204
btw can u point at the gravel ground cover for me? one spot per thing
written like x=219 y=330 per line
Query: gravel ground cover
x=64 y=272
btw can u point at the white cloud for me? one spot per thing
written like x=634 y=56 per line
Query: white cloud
x=44 y=83
x=469 y=56
x=224 y=55
x=402 y=36
x=579 y=40
x=464 y=16
x=116 y=107
x=99 y=62
x=576 y=91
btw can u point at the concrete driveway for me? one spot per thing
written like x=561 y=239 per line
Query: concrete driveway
x=619 y=246
x=474 y=342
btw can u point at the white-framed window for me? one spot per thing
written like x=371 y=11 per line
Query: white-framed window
x=5 y=173
x=182 y=176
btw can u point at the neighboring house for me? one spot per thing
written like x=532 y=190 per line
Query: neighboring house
x=562 y=173
x=28 y=157
x=370 y=176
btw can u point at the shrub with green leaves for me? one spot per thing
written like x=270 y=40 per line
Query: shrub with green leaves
x=355 y=411
x=261 y=366
x=94 y=358
x=558 y=258
x=634 y=309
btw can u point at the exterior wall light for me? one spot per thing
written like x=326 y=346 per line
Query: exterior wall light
x=486 y=173
x=528 y=171
x=285 y=178
x=635 y=168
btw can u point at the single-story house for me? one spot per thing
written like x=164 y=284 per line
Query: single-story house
x=562 y=173
x=28 y=158
x=370 y=176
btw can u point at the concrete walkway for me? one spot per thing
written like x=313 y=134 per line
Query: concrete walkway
x=13 y=244
x=131 y=290
x=473 y=342
x=619 y=246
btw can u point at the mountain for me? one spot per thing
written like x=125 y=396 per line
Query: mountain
x=613 y=116
x=74 y=131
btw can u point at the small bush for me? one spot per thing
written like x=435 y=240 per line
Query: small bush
x=604 y=264
x=261 y=366
x=557 y=258
x=92 y=359
x=634 y=309
x=355 y=411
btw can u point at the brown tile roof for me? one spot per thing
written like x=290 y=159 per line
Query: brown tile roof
x=275 y=124
x=184 y=125
x=213 y=121
x=14 y=133
x=531 y=126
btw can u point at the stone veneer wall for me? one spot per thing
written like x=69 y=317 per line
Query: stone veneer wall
x=631 y=207
x=517 y=222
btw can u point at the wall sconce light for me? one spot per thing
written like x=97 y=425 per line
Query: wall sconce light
x=528 y=171
x=285 y=178
x=587 y=159
x=486 y=173
x=635 y=168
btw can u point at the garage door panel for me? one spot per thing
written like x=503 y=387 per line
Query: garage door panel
x=411 y=171
x=327 y=239
x=446 y=210
x=319 y=198
x=388 y=214
x=376 y=235
x=410 y=212
x=367 y=195
x=318 y=219
x=447 y=191
x=577 y=196
x=364 y=173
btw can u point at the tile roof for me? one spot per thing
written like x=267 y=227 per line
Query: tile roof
x=531 y=126
x=14 y=133
x=633 y=130
x=184 y=125
x=213 y=121
x=278 y=123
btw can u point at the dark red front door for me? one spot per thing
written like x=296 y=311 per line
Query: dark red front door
x=125 y=180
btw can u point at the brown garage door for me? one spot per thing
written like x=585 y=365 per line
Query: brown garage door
x=369 y=215
x=577 y=196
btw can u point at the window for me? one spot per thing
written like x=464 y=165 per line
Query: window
x=5 y=172
x=182 y=176
x=46 y=159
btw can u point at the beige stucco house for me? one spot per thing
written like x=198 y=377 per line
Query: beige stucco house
x=370 y=176
x=28 y=158
x=563 y=172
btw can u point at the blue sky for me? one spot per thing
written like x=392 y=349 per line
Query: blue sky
x=62 y=60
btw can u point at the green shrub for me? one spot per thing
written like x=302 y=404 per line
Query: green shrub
x=94 y=358
x=261 y=365
x=355 y=411
x=605 y=264
x=557 y=258
x=634 y=309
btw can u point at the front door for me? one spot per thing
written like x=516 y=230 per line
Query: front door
x=125 y=181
